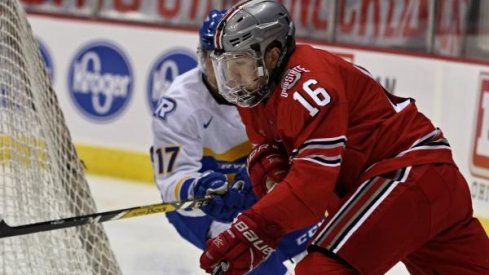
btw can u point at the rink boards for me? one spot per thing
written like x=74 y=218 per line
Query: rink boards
x=131 y=65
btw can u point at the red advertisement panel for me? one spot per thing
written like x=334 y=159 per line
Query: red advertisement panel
x=66 y=7
x=384 y=23
x=480 y=149
x=450 y=26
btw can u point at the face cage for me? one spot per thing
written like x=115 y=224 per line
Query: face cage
x=240 y=95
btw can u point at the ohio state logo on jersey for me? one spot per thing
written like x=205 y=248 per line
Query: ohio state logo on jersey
x=291 y=77
x=480 y=143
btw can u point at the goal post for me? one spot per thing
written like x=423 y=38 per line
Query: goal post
x=41 y=176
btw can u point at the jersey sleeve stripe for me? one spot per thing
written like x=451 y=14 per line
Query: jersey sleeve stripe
x=322 y=160
x=431 y=141
x=426 y=147
x=182 y=187
x=324 y=141
x=427 y=137
x=321 y=144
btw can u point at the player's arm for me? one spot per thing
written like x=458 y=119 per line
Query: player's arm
x=268 y=164
x=177 y=156
x=296 y=202
x=316 y=118
x=176 y=150
x=268 y=161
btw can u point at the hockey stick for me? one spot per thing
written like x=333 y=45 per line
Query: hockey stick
x=9 y=231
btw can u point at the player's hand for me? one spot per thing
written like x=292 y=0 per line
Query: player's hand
x=210 y=183
x=213 y=183
x=246 y=244
x=268 y=164
x=240 y=196
x=227 y=202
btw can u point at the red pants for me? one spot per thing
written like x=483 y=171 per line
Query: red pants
x=422 y=217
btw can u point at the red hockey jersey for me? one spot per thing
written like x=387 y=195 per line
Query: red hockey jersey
x=340 y=128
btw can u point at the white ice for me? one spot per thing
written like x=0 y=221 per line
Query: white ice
x=148 y=245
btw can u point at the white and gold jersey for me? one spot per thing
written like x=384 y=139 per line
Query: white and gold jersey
x=194 y=133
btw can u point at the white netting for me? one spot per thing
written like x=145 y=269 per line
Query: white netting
x=41 y=176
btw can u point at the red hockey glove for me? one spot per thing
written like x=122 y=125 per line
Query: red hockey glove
x=246 y=244
x=267 y=164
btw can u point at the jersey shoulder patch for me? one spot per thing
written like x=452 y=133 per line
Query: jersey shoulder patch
x=165 y=106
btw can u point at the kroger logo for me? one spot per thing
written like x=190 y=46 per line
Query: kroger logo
x=170 y=65
x=48 y=61
x=100 y=81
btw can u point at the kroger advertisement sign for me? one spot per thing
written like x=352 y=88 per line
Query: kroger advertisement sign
x=100 y=81
x=166 y=68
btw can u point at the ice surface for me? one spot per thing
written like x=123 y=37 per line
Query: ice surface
x=148 y=245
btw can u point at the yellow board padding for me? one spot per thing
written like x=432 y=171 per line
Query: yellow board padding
x=26 y=150
x=125 y=164
x=136 y=165
x=485 y=224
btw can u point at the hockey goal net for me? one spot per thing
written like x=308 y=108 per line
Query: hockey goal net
x=41 y=176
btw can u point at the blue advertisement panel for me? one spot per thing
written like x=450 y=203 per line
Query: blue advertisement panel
x=166 y=68
x=100 y=81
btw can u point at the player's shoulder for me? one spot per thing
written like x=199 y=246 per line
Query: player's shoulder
x=186 y=85
x=308 y=55
x=309 y=84
x=181 y=100
x=306 y=65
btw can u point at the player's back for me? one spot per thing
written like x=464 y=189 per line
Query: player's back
x=324 y=104
x=381 y=126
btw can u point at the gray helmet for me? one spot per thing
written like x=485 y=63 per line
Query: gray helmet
x=252 y=26
x=255 y=22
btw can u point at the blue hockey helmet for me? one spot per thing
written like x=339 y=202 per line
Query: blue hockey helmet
x=206 y=45
x=208 y=29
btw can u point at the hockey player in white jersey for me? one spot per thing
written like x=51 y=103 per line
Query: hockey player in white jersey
x=200 y=148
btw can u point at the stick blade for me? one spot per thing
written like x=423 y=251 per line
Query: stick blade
x=5 y=229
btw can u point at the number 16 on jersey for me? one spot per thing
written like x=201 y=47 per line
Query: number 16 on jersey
x=319 y=95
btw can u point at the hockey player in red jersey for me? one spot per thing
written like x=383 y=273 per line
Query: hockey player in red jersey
x=370 y=161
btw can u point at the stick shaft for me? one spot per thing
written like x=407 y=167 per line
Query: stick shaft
x=8 y=231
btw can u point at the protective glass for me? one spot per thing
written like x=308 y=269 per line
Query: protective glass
x=240 y=77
